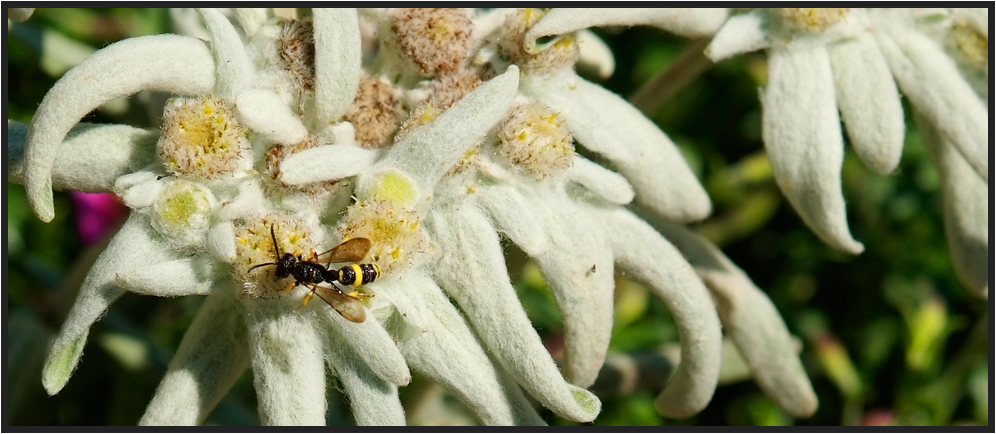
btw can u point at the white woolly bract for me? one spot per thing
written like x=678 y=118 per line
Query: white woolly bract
x=438 y=343
x=369 y=343
x=642 y=253
x=233 y=69
x=578 y=268
x=595 y=55
x=472 y=271
x=326 y=163
x=804 y=143
x=212 y=356
x=603 y=183
x=751 y=321
x=250 y=19
x=187 y=276
x=221 y=241
x=431 y=149
x=373 y=401
x=288 y=364
x=930 y=79
x=338 y=58
x=606 y=124
x=90 y=158
x=161 y=63
x=264 y=112
x=513 y=216
x=135 y=245
x=966 y=210
x=741 y=33
x=690 y=22
x=869 y=102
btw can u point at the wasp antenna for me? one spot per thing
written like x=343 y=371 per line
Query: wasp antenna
x=260 y=265
x=276 y=248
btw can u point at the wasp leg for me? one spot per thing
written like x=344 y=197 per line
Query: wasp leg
x=307 y=298
x=289 y=287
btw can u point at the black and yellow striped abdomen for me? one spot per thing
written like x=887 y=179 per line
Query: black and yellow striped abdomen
x=357 y=274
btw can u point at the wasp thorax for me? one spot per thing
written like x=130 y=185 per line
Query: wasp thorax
x=374 y=113
x=297 y=50
x=395 y=231
x=254 y=246
x=201 y=138
x=182 y=211
x=533 y=139
x=436 y=39
x=812 y=19
x=562 y=51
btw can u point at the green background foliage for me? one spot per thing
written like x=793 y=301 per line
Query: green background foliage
x=889 y=336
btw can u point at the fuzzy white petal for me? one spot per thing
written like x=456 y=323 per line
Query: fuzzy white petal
x=233 y=69
x=432 y=149
x=212 y=356
x=606 y=124
x=338 y=57
x=263 y=111
x=371 y=345
x=250 y=19
x=930 y=79
x=512 y=215
x=90 y=158
x=373 y=401
x=644 y=255
x=221 y=241
x=186 y=21
x=187 y=276
x=134 y=245
x=595 y=55
x=19 y=14
x=578 y=269
x=804 y=143
x=249 y=200
x=603 y=183
x=472 y=271
x=438 y=343
x=966 y=211
x=288 y=364
x=869 y=102
x=742 y=33
x=326 y=163
x=751 y=321
x=691 y=22
x=139 y=189
x=161 y=63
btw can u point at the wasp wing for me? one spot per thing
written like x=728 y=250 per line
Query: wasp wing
x=351 y=250
x=349 y=307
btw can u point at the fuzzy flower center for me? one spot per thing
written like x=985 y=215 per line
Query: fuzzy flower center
x=436 y=39
x=559 y=53
x=971 y=47
x=201 y=138
x=182 y=210
x=395 y=231
x=813 y=19
x=254 y=246
x=297 y=50
x=535 y=140
x=374 y=113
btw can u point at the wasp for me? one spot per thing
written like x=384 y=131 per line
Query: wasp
x=311 y=273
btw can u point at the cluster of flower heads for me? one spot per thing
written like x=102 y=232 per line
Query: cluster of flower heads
x=432 y=133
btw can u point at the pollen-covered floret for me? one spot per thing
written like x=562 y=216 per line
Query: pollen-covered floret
x=421 y=115
x=436 y=39
x=395 y=231
x=969 y=46
x=182 y=211
x=201 y=137
x=561 y=52
x=812 y=19
x=448 y=88
x=533 y=139
x=254 y=246
x=297 y=50
x=374 y=113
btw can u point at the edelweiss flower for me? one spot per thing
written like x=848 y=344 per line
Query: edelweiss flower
x=822 y=60
x=603 y=121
